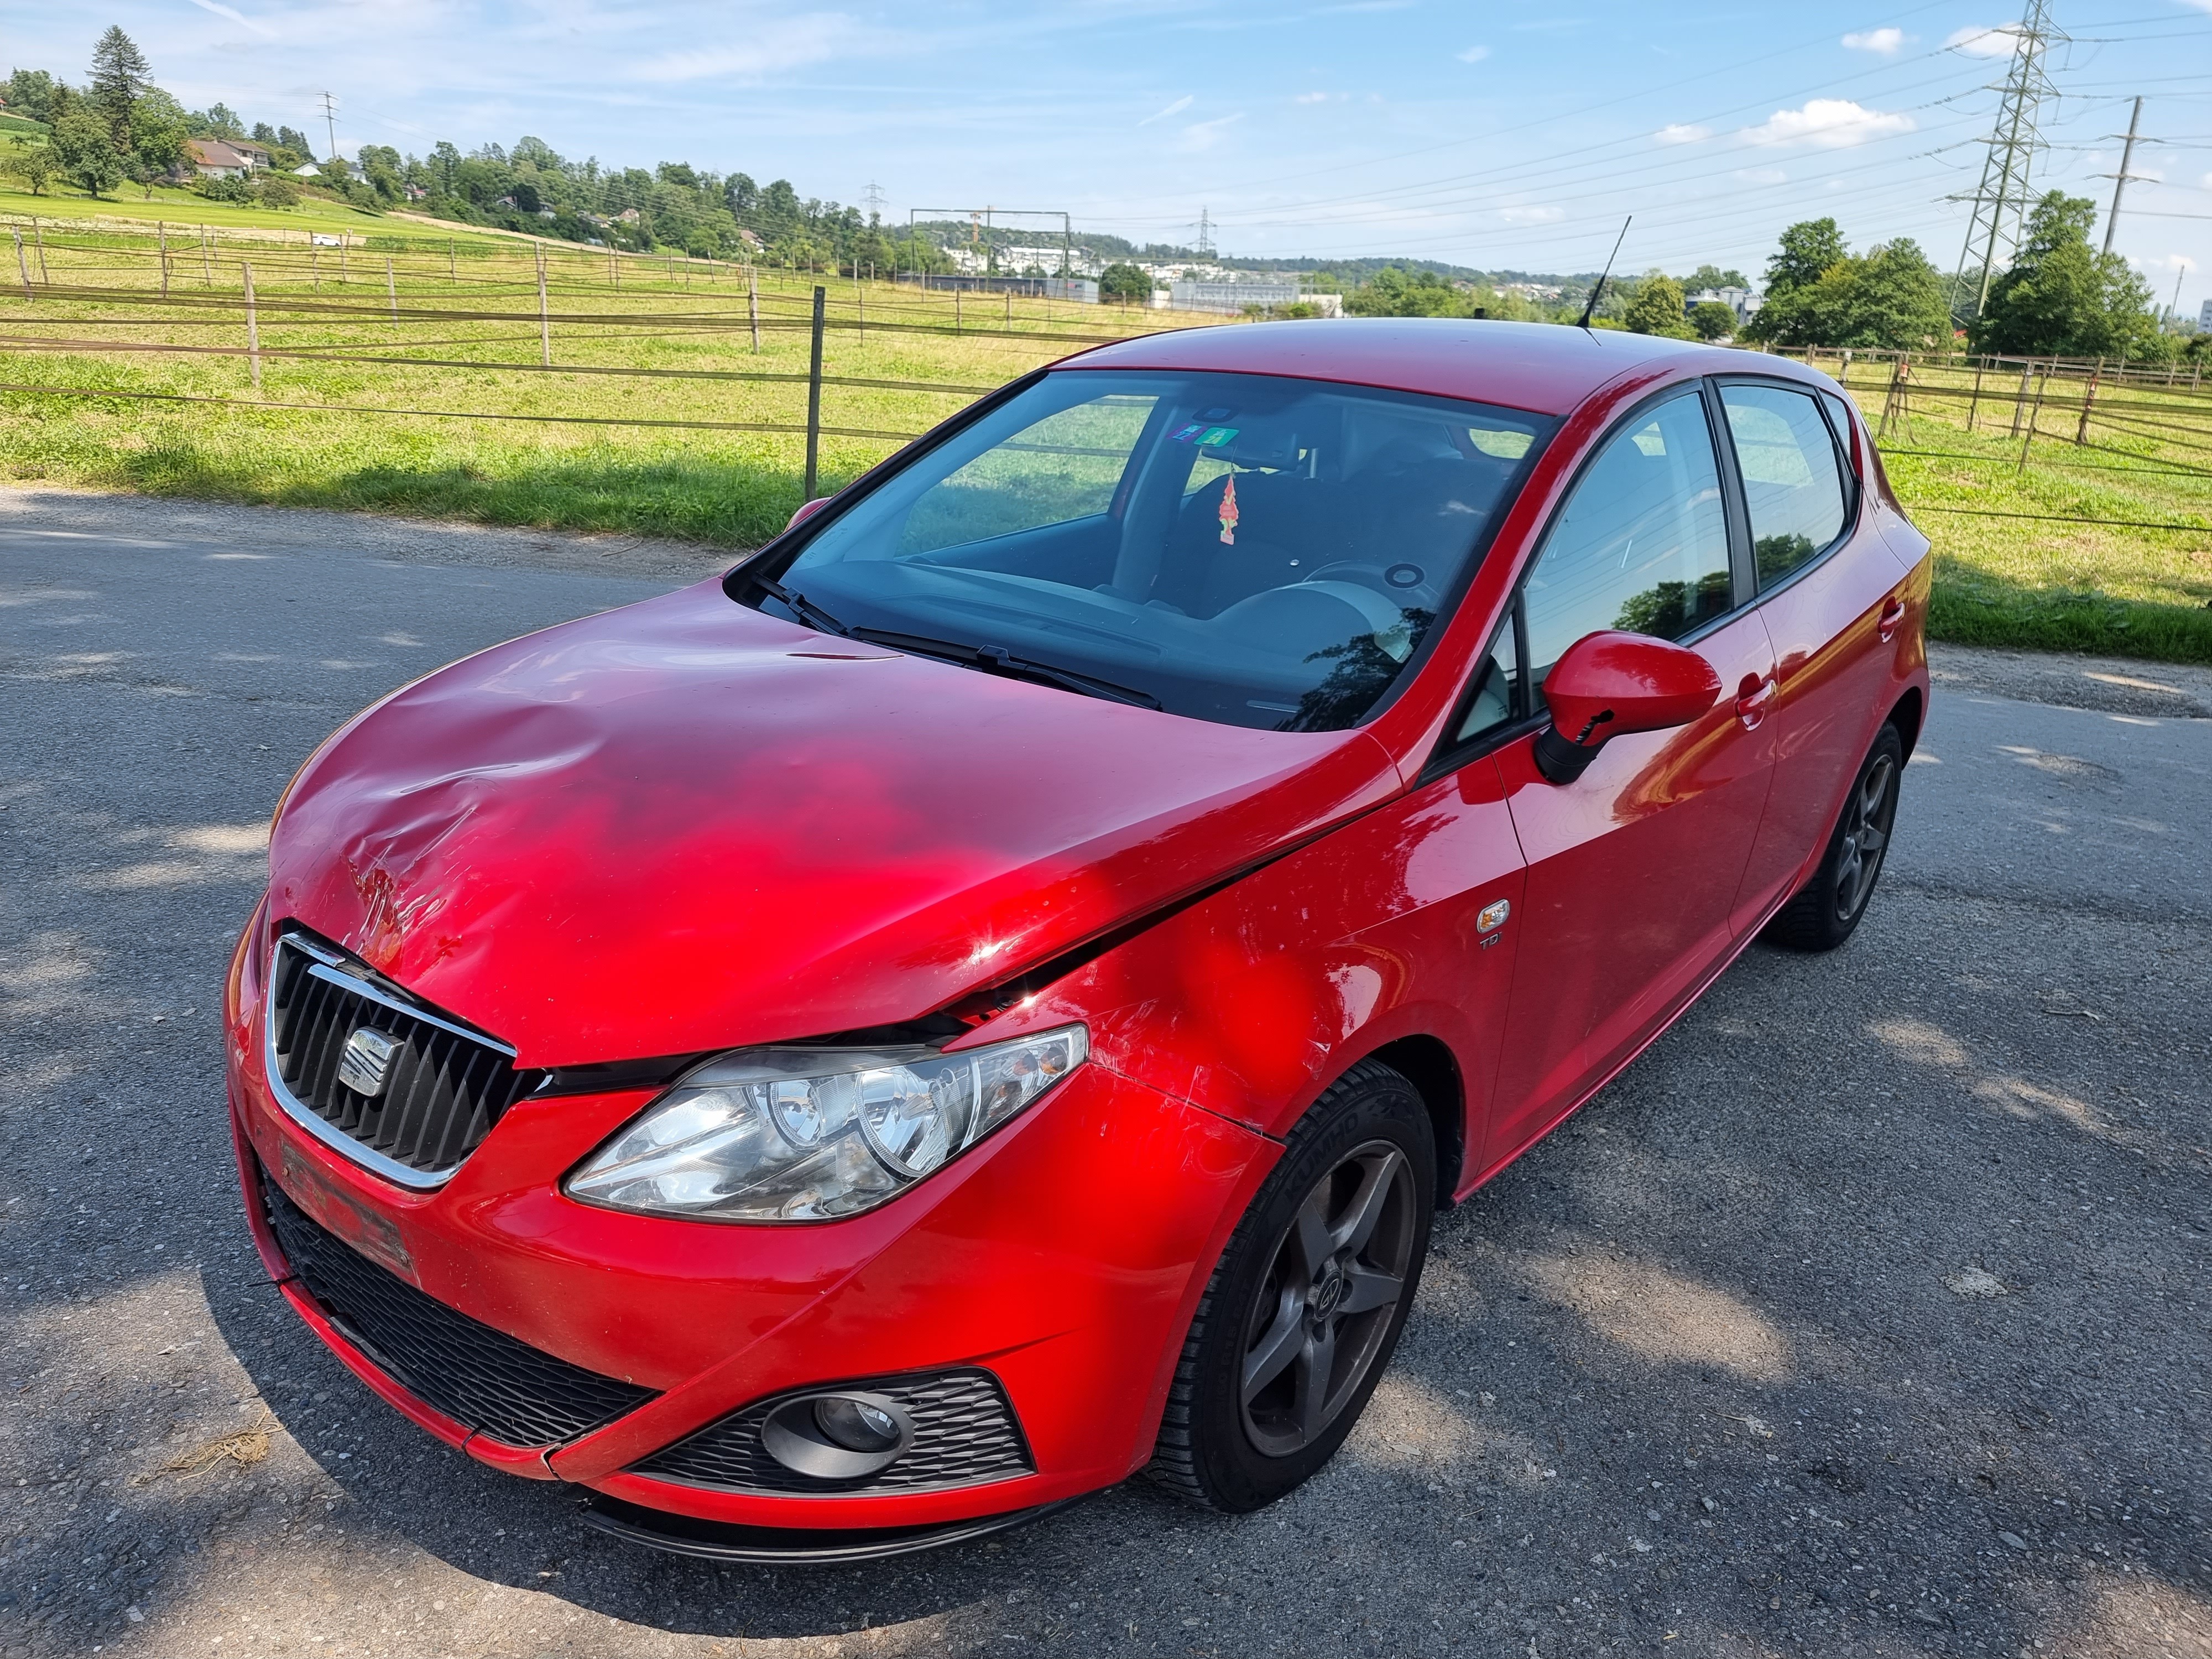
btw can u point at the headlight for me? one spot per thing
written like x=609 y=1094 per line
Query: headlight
x=810 y=1135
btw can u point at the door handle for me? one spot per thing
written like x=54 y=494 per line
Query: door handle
x=1752 y=698
x=1892 y=614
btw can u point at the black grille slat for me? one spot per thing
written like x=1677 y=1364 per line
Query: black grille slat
x=965 y=1434
x=446 y=1091
x=483 y=1378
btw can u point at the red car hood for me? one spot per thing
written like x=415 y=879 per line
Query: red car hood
x=686 y=826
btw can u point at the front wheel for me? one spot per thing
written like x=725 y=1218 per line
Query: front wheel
x=1827 y=911
x=1304 y=1308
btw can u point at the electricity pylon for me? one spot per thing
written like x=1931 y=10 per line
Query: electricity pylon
x=2001 y=204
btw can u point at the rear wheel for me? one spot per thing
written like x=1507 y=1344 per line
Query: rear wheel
x=1827 y=911
x=1305 y=1307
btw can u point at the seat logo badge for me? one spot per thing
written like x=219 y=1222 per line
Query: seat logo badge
x=366 y=1064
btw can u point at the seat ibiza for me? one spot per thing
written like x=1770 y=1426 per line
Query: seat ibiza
x=985 y=998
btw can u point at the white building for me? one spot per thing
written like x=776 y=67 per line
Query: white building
x=1741 y=301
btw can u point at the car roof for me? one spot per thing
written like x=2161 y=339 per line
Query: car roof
x=1545 y=368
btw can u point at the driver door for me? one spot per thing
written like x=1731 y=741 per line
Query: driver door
x=1632 y=868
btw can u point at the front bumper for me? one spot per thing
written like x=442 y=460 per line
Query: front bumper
x=1063 y=1257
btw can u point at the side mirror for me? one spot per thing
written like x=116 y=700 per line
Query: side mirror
x=1611 y=684
x=807 y=510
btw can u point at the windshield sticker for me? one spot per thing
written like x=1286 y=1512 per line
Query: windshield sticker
x=1189 y=432
x=1220 y=434
x=1229 y=510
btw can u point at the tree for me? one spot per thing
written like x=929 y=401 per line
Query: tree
x=1891 y=299
x=1707 y=276
x=120 y=75
x=2060 y=299
x=277 y=189
x=159 y=130
x=37 y=166
x=1711 y=320
x=1126 y=283
x=1809 y=249
x=1657 y=308
x=30 y=93
x=86 y=149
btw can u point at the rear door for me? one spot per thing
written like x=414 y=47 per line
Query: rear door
x=1633 y=869
x=1829 y=592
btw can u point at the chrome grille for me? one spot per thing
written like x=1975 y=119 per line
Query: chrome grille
x=964 y=1435
x=410 y=1099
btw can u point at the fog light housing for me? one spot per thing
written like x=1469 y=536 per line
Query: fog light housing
x=838 y=1436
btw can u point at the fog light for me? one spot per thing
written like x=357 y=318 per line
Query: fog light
x=857 y=1425
x=837 y=1437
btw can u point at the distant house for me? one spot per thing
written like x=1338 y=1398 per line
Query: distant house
x=257 y=154
x=1741 y=301
x=218 y=158
x=628 y=215
x=748 y=238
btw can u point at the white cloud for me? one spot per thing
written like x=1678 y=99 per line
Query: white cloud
x=1681 y=133
x=1828 y=123
x=1882 y=41
x=1531 y=215
x=1762 y=175
x=1205 y=135
x=222 y=10
x=1976 y=42
x=1315 y=97
x=774 y=48
x=1475 y=54
x=1176 y=108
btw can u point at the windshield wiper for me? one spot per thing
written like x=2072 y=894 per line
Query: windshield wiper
x=801 y=607
x=996 y=659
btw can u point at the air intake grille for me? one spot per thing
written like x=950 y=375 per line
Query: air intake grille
x=476 y=1375
x=964 y=1435
x=443 y=1085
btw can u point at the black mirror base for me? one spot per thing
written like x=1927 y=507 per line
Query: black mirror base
x=1560 y=760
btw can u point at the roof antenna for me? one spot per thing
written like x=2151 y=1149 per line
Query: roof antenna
x=1591 y=309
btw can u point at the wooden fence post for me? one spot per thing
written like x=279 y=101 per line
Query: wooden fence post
x=956 y=311
x=752 y=302
x=1843 y=370
x=1889 y=399
x=344 y=275
x=252 y=330
x=544 y=321
x=315 y=266
x=390 y=290
x=1975 y=402
x=162 y=236
x=814 y=395
x=2019 y=398
x=207 y=260
x=2042 y=381
x=22 y=264
x=38 y=232
x=2090 y=402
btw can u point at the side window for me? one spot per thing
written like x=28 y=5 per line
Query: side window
x=1064 y=467
x=1790 y=479
x=1496 y=699
x=1839 y=416
x=1641 y=544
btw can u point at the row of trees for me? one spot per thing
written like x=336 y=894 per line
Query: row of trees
x=119 y=125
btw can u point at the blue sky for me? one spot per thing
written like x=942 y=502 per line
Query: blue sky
x=1488 y=137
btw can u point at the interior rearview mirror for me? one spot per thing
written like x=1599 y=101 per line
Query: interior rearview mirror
x=1609 y=685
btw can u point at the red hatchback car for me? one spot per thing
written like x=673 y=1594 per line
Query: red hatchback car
x=985 y=998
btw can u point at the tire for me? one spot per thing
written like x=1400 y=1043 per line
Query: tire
x=1828 y=910
x=1308 y=1299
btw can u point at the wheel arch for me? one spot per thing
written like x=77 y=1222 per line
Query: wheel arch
x=1427 y=1062
x=1905 y=715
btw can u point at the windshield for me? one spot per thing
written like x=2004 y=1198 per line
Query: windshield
x=1244 y=549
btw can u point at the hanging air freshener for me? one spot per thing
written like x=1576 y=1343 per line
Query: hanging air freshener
x=1229 y=510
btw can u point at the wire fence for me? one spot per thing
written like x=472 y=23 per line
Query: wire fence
x=104 y=295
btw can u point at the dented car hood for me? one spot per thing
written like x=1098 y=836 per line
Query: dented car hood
x=686 y=826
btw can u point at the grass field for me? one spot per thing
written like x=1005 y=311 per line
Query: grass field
x=471 y=300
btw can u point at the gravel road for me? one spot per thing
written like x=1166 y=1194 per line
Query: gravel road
x=1867 y=1314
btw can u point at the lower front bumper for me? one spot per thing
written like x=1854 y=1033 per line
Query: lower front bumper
x=716 y=1541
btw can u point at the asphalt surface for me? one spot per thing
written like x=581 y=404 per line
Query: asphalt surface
x=1867 y=1314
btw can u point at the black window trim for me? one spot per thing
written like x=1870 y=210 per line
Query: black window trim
x=1854 y=487
x=1449 y=756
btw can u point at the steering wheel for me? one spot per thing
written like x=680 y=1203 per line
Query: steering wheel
x=1405 y=583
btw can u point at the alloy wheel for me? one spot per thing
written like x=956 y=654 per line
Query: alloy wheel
x=1324 y=1309
x=1866 y=818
